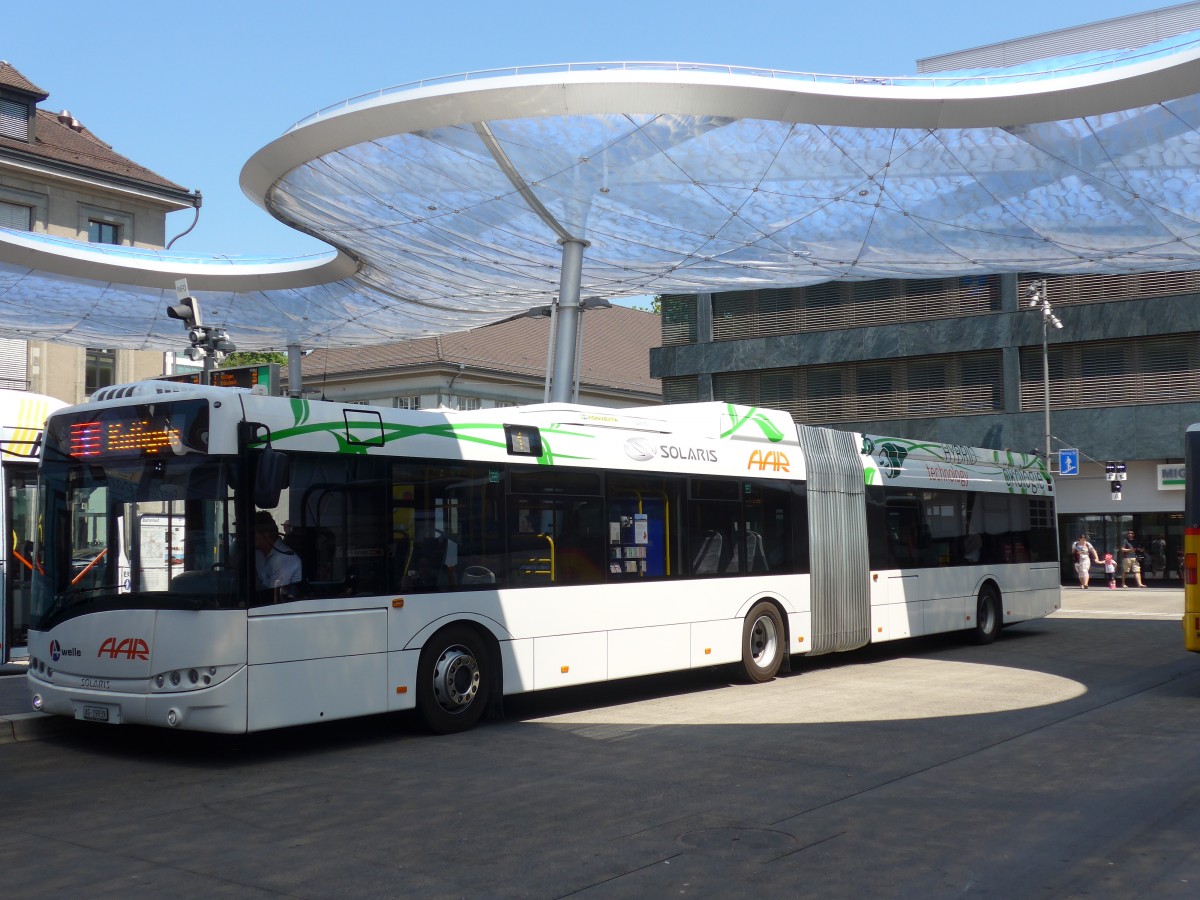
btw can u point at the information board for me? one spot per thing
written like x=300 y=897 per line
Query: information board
x=262 y=379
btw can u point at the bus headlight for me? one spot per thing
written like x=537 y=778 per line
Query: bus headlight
x=38 y=703
x=192 y=679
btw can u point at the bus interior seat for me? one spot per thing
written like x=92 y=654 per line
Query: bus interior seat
x=756 y=556
x=708 y=558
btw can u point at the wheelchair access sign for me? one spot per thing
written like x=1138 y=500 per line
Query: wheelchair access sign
x=1068 y=462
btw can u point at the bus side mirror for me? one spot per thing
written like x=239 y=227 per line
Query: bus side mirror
x=270 y=477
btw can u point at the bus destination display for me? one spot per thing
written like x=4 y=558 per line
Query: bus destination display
x=134 y=431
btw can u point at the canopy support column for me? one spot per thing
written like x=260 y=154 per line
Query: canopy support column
x=295 y=385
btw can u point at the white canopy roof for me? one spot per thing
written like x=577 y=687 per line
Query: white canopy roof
x=448 y=200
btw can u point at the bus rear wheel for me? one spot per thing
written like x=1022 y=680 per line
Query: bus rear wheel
x=987 y=616
x=453 y=680
x=762 y=643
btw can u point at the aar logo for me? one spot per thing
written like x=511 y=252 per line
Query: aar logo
x=128 y=648
x=773 y=460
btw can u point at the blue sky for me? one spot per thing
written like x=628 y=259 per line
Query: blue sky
x=192 y=89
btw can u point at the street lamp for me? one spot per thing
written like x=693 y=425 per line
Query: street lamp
x=1038 y=297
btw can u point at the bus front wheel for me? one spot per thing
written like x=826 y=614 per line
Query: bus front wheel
x=987 y=616
x=762 y=643
x=453 y=680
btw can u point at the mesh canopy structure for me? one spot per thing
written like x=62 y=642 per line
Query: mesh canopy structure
x=449 y=201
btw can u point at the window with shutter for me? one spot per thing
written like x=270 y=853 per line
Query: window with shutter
x=14 y=215
x=14 y=119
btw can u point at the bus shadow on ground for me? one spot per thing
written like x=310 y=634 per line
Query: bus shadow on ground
x=1080 y=649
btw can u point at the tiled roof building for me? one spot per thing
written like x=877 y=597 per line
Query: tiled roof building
x=57 y=177
x=496 y=364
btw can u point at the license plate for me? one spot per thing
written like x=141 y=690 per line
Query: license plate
x=96 y=714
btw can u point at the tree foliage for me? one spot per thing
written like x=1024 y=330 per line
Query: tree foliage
x=253 y=358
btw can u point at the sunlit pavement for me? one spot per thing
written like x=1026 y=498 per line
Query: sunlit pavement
x=1099 y=601
x=1058 y=761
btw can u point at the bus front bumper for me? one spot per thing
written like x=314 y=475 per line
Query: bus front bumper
x=220 y=708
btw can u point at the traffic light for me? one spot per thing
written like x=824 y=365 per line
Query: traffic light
x=1110 y=470
x=1121 y=473
x=1116 y=490
x=187 y=310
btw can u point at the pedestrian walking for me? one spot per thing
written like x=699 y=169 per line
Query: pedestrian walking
x=1085 y=555
x=1129 y=560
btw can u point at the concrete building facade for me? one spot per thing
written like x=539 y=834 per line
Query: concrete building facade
x=964 y=360
x=960 y=361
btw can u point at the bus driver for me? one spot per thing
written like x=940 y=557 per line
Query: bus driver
x=275 y=562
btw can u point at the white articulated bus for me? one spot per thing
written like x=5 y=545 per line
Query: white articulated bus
x=439 y=560
x=22 y=415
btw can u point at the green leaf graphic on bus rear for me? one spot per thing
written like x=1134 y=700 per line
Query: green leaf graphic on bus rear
x=765 y=425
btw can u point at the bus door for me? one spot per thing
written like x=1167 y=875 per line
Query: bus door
x=17 y=564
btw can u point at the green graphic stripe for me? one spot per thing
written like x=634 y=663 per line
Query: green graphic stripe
x=342 y=433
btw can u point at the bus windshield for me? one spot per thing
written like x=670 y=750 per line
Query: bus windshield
x=136 y=532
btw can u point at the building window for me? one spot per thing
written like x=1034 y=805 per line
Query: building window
x=466 y=403
x=413 y=402
x=103 y=232
x=105 y=226
x=1150 y=369
x=681 y=389
x=14 y=119
x=23 y=210
x=14 y=215
x=99 y=369
x=739 y=315
x=949 y=385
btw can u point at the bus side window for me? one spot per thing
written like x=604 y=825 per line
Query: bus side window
x=715 y=533
x=904 y=530
x=643 y=527
x=768 y=514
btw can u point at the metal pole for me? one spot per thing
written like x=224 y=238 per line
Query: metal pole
x=578 y=360
x=550 y=354
x=295 y=375
x=568 y=318
x=1046 y=378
